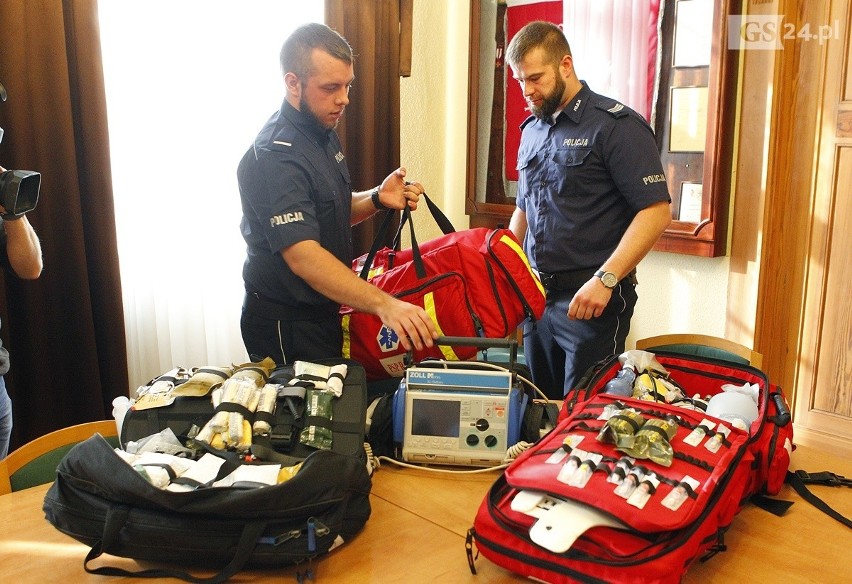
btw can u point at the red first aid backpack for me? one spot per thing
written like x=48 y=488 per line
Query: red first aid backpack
x=654 y=542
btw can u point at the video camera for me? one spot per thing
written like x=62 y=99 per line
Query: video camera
x=18 y=188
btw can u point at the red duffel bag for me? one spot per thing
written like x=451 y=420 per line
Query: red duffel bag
x=473 y=283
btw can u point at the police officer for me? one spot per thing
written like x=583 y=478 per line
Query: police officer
x=592 y=200
x=298 y=207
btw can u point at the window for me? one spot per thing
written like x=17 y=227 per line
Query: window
x=188 y=86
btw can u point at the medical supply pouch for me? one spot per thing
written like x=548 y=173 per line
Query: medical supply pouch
x=575 y=508
x=627 y=489
x=104 y=502
x=770 y=434
x=290 y=430
x=473 y=283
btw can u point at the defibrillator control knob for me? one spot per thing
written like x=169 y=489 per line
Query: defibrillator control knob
x=482 y=424
x=491 y=441
x=472 y=440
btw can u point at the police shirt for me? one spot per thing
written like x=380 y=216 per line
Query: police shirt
x=294 y=186
x=582 y=179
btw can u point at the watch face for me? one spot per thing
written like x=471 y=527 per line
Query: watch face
x=609 y=280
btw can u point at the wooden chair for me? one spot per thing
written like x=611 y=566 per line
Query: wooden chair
x=703 y=345
x=35 y=462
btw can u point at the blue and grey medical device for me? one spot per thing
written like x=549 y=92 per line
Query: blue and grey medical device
x=457 y=413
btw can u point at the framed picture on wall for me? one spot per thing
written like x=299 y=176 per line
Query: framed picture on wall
x=689 y=206
x=688 y=119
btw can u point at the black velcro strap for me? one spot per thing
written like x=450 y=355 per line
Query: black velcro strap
x=318 y=421
x=346 y=427
x=267 y=417
x=307 y=377
x=657 y=429
x=629 y=420
x=221 y=374
x=232 y=407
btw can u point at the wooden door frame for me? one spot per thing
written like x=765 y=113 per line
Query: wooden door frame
x=771 y=272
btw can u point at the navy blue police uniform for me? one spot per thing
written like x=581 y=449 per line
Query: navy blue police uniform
x=583 y=176
x=294 y=186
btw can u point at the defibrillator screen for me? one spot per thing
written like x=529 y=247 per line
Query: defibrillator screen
x=431 y=417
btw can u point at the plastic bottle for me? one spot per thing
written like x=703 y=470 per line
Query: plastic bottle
x=120 y=405
x=622 y=384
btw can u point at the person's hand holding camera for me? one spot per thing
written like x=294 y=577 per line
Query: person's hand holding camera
x=22 y=244
x=18 y=192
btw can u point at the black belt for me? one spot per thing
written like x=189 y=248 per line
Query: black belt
x=256 y=304
x=574 y=279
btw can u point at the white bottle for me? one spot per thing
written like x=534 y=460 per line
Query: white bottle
x=120 y=405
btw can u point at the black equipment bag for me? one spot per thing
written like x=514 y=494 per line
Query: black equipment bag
x=102 y=501
x=347 y=422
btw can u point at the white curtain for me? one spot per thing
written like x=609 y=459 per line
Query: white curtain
x=188 y=84
x=611 y=42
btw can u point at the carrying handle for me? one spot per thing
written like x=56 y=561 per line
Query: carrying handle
x=115 y=521
x=443 y=223
x=782 y=418
x=478 y=342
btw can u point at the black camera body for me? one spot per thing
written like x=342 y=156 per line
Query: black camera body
x=18 y=192
x=18 y=188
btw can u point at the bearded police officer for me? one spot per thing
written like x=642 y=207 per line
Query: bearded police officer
x=592 y=200
x=298 y=207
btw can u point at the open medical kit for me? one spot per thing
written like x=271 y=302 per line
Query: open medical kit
x=223 y=468
x=636 y=485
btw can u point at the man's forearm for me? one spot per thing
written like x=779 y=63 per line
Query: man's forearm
x=23 y=248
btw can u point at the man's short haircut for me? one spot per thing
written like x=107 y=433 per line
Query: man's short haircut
x=536 y=34
x=296 y=51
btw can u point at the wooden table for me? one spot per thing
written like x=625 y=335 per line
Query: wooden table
x=417 y=530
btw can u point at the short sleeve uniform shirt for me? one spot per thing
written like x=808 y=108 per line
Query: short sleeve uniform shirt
x=582 y=179
x=294 y=186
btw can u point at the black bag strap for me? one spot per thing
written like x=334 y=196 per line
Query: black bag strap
x=800 y=479
x=443 y=222
x=381 y=234
x=116 y=519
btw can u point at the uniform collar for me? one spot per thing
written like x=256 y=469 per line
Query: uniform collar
x=574 y=108
x=306 y=123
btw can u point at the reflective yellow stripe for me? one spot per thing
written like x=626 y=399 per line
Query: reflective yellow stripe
x=518 y=250
x=347 y=339
x=429 y=307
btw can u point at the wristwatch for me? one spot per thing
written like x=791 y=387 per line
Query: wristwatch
x=374 y=196
x=607 y=278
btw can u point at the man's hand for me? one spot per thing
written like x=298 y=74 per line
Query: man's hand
x=330 y=277
x=589 y=301
x=410 y=322
x=395 y=192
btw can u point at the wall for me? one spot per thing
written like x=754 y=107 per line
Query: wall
x=677 y=293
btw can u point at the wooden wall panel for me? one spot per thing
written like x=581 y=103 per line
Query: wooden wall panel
x=823 y=410
x=833 y=387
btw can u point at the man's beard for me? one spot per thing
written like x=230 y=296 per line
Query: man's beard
x=306 y=109
x=550 y=103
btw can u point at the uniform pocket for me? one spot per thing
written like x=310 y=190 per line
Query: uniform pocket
x=571 y=157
